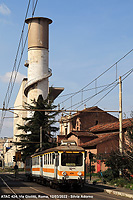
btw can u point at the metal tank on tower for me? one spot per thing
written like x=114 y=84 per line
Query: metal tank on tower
x=38 y=58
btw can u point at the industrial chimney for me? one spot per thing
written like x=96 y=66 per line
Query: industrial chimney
x=38 y=58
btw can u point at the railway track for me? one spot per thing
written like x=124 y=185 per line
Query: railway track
x=33 y=192
x=11 y=188
x=13 y=195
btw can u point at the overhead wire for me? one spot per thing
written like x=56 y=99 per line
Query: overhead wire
x=111 y=85
x=115 y=64
x=93 y=88
x=15 y=69
x=123 y=78
x=88 y=98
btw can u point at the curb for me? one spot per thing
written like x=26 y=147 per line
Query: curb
x=123 y=194
x=109 y=191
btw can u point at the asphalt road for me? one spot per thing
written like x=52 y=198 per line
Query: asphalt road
x=11 y=188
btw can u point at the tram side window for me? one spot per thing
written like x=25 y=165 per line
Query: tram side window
x=48 y=159
x=33 y=161
x=37 y=161
x=41 y=160
x=53 y=157
x=44 y=159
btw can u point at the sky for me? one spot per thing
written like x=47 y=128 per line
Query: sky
x=86 y=38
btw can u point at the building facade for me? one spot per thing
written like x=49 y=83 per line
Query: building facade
x=94 y=130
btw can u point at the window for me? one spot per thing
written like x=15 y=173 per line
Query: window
x=35 y=160
x=44 y=159
x=71 y=159
x=41 y=161
x=96 y=122
x=48 y=159
x=53 y=157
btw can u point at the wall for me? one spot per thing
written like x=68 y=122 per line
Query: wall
x=89 y=119
x=19 y=103
x=73 y=137
x=107 y=146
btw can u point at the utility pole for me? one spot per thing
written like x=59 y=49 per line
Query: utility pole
x=120 y=115
x=120 y=120
x=90 y=157
x=40 y=137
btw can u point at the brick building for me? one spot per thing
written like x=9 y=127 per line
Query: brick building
x=82 y=121
x=95 y=130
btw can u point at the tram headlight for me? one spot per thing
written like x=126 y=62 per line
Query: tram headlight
x=64 y=173
x=79 y=173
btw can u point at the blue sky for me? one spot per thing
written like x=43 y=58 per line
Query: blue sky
x=86 y=38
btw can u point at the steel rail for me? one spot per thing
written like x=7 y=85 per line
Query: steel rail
x=10 y=189
x=28 y=187
x=42 y=192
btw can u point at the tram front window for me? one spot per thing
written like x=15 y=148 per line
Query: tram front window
x=71 y=159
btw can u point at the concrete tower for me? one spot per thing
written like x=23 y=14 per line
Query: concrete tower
x=38 y=58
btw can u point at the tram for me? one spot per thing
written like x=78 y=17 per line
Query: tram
x=63 y=165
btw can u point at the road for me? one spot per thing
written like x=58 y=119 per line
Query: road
x=11 y=188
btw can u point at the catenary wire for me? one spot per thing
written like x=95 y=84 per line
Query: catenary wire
x=88 y=98
x=106 y=88
x=15 y=70
x=98 y=76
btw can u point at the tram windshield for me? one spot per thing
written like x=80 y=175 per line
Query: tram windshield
x=71 y=159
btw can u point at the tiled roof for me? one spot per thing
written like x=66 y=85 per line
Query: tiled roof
x=101 y=138
x=86 y=110
x=111 y=126
x=81 y=134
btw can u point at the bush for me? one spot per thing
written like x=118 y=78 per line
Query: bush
x=108 y=175
x=113 y=182
x=128 y=186
x=122 y=182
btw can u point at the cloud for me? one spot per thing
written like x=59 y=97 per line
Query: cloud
x=4 y=10
x=7 y=76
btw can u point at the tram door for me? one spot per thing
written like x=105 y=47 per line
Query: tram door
x=56 y=164
x=41 y=166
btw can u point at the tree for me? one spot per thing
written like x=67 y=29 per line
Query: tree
x=128 y=145
x=116 y=162
x=123 y=161
x=30 y=139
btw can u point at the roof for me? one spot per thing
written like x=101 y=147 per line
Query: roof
x=60 y=148
x=81 y=134
x=55 y=92
x=86 y=110
x=126 y=123
x=101 y=138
